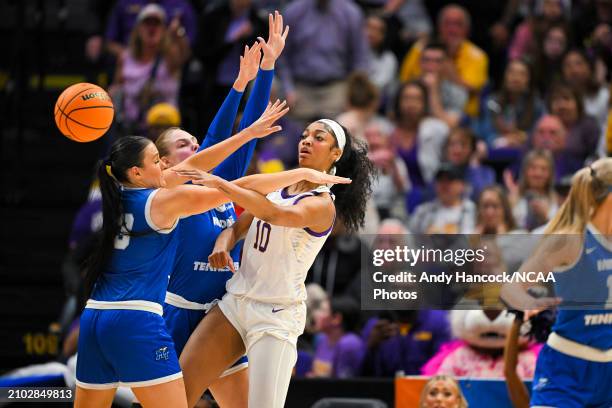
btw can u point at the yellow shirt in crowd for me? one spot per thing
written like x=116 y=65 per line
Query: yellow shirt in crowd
x=471 y=62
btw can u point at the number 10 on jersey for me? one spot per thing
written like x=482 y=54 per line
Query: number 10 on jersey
x=263 y=236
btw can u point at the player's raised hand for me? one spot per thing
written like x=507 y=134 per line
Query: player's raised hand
x=221 y=258
x=318 y=177
x=277 y=34
x=264 y=126
x=249 y=65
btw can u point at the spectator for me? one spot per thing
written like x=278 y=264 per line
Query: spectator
x=149 y=70
x=449 y=213
x=468 y=64
x=546 y=13
x=510 y=114
x=339 y=350
x=413 y=18
x=494 y=212
x=229 y=27
x=442 y=391
x=417 y=138
x=533 y=198
x=403 y=341
x=314 y=75
x=446 y=98
x=389 y=188
x=383 y=65
x=548 y=56
x=583 y=130
x=363 y=101
x=124 y=18
x=579 y=73
x=161 y=117
x=460 y=150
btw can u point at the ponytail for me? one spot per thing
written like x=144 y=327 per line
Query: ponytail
x=125 y=153
x=589 y=188
x=351 y=199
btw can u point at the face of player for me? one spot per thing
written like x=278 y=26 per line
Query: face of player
x=538 y=174
x=180 y=146
x=442 y=394
x=149 y=174
x=491 y=210
x=317 y=148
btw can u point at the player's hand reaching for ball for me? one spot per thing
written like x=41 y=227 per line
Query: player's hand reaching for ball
x=318 y=177
x=264 y=126
x=276 y=40
x=249 y=65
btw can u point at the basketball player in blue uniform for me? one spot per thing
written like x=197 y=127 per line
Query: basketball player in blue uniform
x=194 y=285
x=574 y=369
x=123 y=337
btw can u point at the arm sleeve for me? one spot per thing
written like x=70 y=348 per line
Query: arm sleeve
x=237 y=164
x=221 y=126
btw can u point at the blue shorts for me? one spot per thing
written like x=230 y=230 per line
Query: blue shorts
x=182 y=322
x=565 y=381
x=124 y=347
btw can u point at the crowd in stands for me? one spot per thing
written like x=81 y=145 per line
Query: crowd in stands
x=476 y=115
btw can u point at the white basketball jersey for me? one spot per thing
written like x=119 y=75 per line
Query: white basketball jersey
x=275 y=260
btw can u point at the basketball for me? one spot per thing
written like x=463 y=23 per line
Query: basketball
x=84 y=112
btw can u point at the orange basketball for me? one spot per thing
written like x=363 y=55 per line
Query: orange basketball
x=84 y=112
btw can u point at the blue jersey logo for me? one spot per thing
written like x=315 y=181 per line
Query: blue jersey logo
x=162 y=354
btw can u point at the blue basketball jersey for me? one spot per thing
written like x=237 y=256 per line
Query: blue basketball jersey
x=141 y=261
x=587 y=287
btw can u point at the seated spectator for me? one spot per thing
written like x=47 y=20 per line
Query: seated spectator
x=494 y=213
x=511 y=113
x=125 y=16
x=460 y=150
x=363 y=100
x=468 y=64
x=546 y=13
x=417 y=138
x=450 y=212
x=550 y=134
x=161 y=117
x=446 y=98
x=583 y=130
x=383 y=65
x=533 y=198
x=403 y=341
x=442 y=391
x=391 y=185
x=579 y=73
x=548 y=56
x=339 y=350
x=148 y=72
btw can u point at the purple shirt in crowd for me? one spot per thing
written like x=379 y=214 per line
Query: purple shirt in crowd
x=340 y=360
x=407 y=352
x=324 y=45
x=123 y=18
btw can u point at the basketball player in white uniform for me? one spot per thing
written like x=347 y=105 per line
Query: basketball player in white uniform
x=263 y=312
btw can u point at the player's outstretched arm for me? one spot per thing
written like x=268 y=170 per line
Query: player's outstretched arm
x=211 y=157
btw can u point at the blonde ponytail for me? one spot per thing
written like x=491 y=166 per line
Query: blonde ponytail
x=589 y=187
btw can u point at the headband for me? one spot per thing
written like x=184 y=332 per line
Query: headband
x=337 y=132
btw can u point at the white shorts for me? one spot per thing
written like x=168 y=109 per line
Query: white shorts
x=253 y=319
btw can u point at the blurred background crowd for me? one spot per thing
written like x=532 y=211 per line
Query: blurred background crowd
x=476 y=114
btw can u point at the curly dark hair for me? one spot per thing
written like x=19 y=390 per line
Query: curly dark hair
x=351 y=198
